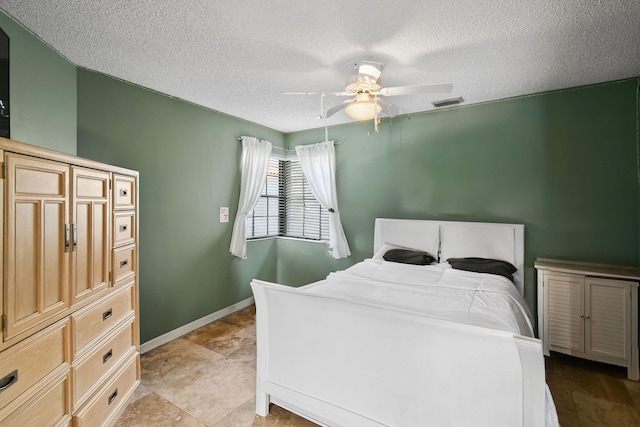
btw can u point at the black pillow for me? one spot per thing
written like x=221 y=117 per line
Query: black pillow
x=408 y=256
x=484 y=265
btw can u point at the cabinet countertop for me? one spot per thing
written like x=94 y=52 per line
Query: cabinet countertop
x=604 y=270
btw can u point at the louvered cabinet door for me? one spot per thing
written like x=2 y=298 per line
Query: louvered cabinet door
x=90 y=232
x=37 y=244
x=607 y=314
x=565 y=312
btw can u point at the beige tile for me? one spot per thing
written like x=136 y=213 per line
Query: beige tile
x=243 y=318
x=153 y=410
x=216 y=393
x=177 y=359
x=140 y=392
x=213 y=331
x=232 y=342
x=245 y=354
x=245 y=415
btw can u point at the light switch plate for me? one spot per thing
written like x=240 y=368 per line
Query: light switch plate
x=224 y=214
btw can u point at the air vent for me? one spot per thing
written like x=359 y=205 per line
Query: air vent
x=447 y=102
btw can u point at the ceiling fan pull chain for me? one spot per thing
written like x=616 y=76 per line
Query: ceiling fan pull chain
x=375 y=119
x=324 y=117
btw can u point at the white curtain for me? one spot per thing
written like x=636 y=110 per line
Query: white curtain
x=318 y=164
x=255 y=163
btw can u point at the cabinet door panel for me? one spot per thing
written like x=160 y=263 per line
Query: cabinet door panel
x=565 y=312
x=55 y=265
x=608 y=310
x=91 y=232
x=25 y=266
x=37 y=210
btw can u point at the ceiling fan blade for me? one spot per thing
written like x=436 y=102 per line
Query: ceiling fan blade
x=331 y=111
x=417 y=89
x=388 y=108
x=300 y=93
x=317 y=93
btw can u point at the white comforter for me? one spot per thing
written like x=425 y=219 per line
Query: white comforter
x=440 y=291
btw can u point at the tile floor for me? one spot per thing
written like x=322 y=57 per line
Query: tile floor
x=207 y=378
x=204 y=378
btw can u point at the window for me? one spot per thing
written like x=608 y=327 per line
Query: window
x=287 y=206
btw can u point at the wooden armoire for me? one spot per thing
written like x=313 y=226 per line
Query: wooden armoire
x=70 y=350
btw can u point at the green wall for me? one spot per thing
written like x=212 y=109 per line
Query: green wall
x=189 y=163
x=563 y=163
x=42 y=87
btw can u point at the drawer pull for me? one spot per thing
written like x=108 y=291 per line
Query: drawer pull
x=107 y=314
x=8 y=381
x=123 y=192
x=124 y=263
x=107 y=356
x=113 y=396
x=123 y=228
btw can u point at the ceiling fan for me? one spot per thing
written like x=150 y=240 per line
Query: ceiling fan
x=366 y=94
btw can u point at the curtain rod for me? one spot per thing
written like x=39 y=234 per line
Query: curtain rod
x=274 y=147
x=290 y=149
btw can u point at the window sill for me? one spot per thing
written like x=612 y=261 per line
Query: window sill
x=258 y=239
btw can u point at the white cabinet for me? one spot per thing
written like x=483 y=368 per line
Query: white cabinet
x=589 y=311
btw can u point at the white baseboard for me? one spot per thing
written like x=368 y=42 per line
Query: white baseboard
x=177 y=333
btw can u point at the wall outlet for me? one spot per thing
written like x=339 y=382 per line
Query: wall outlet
x=224 y=214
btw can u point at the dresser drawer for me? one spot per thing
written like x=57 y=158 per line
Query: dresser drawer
x=109 y=399
x=124 y=232
x=103 y=358
x=32 y=360
x=124 y=196
x=123 y=263
x=91 y=323
x=50 y=407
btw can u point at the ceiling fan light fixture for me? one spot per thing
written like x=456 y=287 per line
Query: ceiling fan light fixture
x=363 y=108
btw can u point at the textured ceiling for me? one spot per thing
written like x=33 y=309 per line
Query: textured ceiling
x=237 y=57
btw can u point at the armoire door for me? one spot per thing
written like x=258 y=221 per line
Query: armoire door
x=90 y=232
x=37 y=241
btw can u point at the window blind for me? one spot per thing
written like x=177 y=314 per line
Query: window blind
x=287 y=206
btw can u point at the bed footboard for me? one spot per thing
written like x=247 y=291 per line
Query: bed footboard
x=339 y=362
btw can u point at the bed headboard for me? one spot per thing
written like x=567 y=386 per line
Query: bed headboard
x=455 y=239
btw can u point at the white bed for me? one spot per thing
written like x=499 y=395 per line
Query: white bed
x=388 y=344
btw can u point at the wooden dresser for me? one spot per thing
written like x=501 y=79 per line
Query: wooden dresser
x=70 y=353
x=589 y=311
